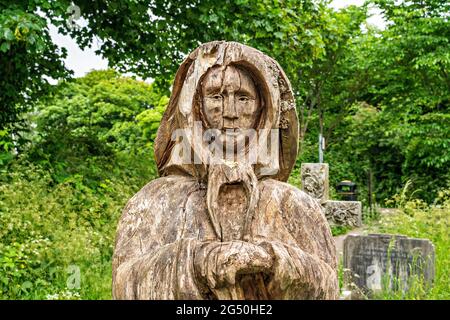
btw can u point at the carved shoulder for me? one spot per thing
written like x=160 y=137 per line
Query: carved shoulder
x=145 y=198
x=151 y=214
x=304 y=218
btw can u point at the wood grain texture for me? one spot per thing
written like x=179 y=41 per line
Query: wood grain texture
x=227 y=230
x=183 y=109
x=166 y=247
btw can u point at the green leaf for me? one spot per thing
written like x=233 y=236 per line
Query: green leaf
x=26 y=285
x=5 y=46
x=278 y=35
x=8 y=34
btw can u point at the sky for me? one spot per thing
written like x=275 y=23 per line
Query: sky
x=83 y=61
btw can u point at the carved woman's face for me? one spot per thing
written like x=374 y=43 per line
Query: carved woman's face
x=230 y=99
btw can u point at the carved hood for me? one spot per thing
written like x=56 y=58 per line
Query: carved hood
x=279 y=106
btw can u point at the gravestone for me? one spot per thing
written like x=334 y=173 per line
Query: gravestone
x=315 y=180
x=343 y=213
x=379 y=262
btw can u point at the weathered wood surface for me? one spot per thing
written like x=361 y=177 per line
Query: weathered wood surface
x=228 y=229
x=167 y=248
x=184 y=106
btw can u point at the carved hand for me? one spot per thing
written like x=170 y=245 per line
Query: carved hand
x=297 y=274
x=218 y=263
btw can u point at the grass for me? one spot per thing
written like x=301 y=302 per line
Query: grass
x=340 y=230
x=56 y=239
x=419 y=220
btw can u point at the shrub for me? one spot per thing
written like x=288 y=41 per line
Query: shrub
x=49 y=228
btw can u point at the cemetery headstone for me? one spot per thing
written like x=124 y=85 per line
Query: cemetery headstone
x=315 y=180
x=377 y=262
x=343 y=213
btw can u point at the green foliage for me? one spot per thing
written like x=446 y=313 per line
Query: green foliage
x=99 y=114
x=329 y=84
x=340 y=230
x=97 y=117
x=412 y=89
x=396 y=122
x=28 y=57
x=60 y=201
x=47 y=227
x=150 y=38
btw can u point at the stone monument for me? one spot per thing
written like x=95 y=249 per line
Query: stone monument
x=343 y=213
x=387 y=262
x=315 y=182
x=221 y=224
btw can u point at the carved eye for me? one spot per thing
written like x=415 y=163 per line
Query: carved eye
x=244 y=98
x=216 y=97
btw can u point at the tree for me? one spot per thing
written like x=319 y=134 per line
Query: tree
x=100 y=116
x=400 y=131
x=150 y=38
x=145 y=37
x=28 y=57
x=413 y=90
x=331 y=84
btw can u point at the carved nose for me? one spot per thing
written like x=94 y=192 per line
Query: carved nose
x=229 y=111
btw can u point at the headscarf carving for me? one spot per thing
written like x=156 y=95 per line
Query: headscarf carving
x=182 y=111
